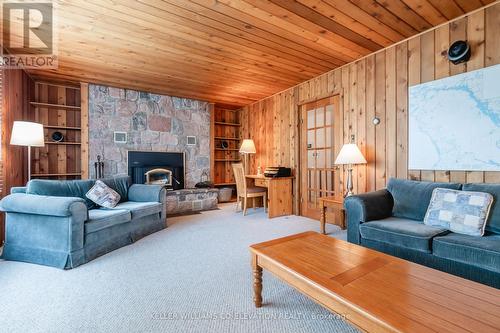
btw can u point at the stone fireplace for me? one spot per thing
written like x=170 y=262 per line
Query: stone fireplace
x=149 y=123
x=153 y=131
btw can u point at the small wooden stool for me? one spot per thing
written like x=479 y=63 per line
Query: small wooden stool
x=336 y=204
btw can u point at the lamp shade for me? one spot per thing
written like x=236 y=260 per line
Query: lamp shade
x=248 y=147
x=25 y=133
x=350 y=154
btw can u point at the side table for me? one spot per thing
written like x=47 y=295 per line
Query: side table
x=337 y=205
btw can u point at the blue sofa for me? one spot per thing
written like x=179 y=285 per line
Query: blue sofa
x=52 y=223
x=391 y=221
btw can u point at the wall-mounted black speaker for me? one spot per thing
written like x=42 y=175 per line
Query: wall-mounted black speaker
x=459 y=52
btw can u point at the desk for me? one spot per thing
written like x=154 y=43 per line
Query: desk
x=279 y=193
x=337 y=205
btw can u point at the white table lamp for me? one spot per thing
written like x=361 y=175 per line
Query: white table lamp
x=27 y=134
x=350 y=155
x=247 y=147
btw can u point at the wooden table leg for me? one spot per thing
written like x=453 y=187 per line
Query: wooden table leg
x=257 y=283
x=323 y=218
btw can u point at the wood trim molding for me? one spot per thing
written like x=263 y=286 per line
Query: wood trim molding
x=339 y=92
x=84 y=109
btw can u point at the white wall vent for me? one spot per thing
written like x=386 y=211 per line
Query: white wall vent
x=197 y=205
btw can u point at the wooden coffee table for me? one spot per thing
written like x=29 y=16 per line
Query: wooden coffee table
x=376 y=292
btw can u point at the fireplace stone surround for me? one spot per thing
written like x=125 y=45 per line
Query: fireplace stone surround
x=152 y=122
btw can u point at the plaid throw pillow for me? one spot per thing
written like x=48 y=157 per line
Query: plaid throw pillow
x=103 y=195
x=462 y=212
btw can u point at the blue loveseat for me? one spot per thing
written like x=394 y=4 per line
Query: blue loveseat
x=391 y=221
x=52 y=222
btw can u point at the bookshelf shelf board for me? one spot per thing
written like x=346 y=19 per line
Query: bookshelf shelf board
x=224 y=138
x=55 y=174
x=63 y=127
x=55 y=106
x=62 y=143
x=227 y=124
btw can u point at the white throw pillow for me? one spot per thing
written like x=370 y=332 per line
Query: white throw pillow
x=462 y=212
x=103 y=195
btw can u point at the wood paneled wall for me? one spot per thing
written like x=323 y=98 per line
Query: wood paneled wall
x=16 y=94
x=376 y=86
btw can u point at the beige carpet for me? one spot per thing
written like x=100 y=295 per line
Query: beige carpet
x=194 y=276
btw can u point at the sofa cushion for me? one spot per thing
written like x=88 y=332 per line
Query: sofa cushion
x=104 y=218
x=411 y=198
x=103 y=195
x=493 y=222
x=140 y=209
x=463 y=212
x=401 y=232
x=483 y=252
x=119 y=184
x=62 y=188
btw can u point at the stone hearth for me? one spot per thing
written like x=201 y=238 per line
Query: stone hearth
x=191 y=200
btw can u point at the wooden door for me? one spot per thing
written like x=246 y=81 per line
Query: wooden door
x=320 y=126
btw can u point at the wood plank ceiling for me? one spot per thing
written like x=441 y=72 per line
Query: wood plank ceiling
x=230 y=51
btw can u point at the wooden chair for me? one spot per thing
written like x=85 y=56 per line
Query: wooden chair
x=243 y=192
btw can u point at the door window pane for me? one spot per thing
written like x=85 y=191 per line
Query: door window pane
x=329 y=158
x=310 y=118
x=320 y=137
x=310 y=158
x=328 y=136
x=320 y=158
x=310 y=139
x=320 y=117
x=329 y=115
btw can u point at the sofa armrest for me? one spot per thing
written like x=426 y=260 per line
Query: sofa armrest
x=43 y=205
x=18 y=189
x=364 y=208
x=146 y=193
x=149 y=193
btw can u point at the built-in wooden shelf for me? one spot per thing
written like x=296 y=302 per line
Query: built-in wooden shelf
x=226 y=124
x=62 y=143
x=224 y=138
x=58 y=106
x=55 y=106
x=63 y=127
x=55 y=174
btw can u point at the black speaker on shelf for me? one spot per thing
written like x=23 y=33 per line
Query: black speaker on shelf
x=57 y=136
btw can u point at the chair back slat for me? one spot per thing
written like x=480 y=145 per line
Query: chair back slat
x=239 y=177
